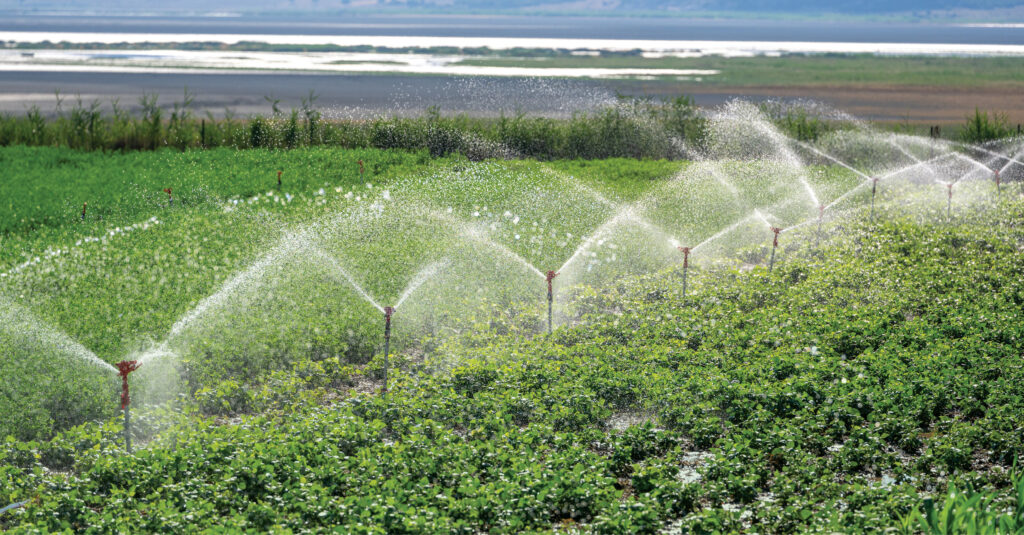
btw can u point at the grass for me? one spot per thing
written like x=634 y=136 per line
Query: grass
x=807 y=70
x=836 y=394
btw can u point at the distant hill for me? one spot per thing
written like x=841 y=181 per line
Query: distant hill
x=797 y=7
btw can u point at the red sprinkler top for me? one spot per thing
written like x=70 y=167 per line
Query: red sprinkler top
x=123 y=369
x=550 y=277
x=361 y=170
x=821 y=211
x=775 y=241
x=279 y=178
x=686 y=256
x=996 y=172
x=949 y=190
x=388 y=311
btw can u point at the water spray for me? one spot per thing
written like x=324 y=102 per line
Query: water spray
x=124 y=368
x=686 y=266
x=388 y=311
x=551 y=296
x=874 y=189
x=84 y=206
x=775 y=245
x=279 y=180
x=170 y=197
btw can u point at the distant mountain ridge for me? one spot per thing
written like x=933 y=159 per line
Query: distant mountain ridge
x=799 y=7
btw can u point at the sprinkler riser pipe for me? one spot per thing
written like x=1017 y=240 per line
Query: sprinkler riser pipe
x=686 y=266
x=127 y=431
x=874 y=188
x=775 y=245
x=388 y=311
x=550 y=276
x=124 y=368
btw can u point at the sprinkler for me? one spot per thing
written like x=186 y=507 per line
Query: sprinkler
x=279 y=180
x=124 y=368
x=84 y=206
x=170 y=197
x=996 y=174
x=949 y=199
x=388 y=311
x=775 y=245
x=361 y=169
x=551 y=295
x=686 y=266
x=821 y=216
x=874 y=188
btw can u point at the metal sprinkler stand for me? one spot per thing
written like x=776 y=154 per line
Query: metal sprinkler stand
x=686 y=266
x=874 y=188
x=124 y=368
x=551 y=296
x=775 y=245
x=388 y=311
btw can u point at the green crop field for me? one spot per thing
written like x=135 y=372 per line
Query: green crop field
x=863 y=375
x=795 y=69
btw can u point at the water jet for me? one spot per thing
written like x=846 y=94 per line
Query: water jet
x=124 y=368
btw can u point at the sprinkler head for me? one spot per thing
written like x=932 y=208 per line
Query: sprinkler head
x=388 y=311
x=996 y=173
x=361 y=170
x=124 y=368
x=775 y=241
x=821 y=211
x=686 y=255
x=550 y=277
x=949 y=190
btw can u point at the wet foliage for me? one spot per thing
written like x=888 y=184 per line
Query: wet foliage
x=836 y=394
